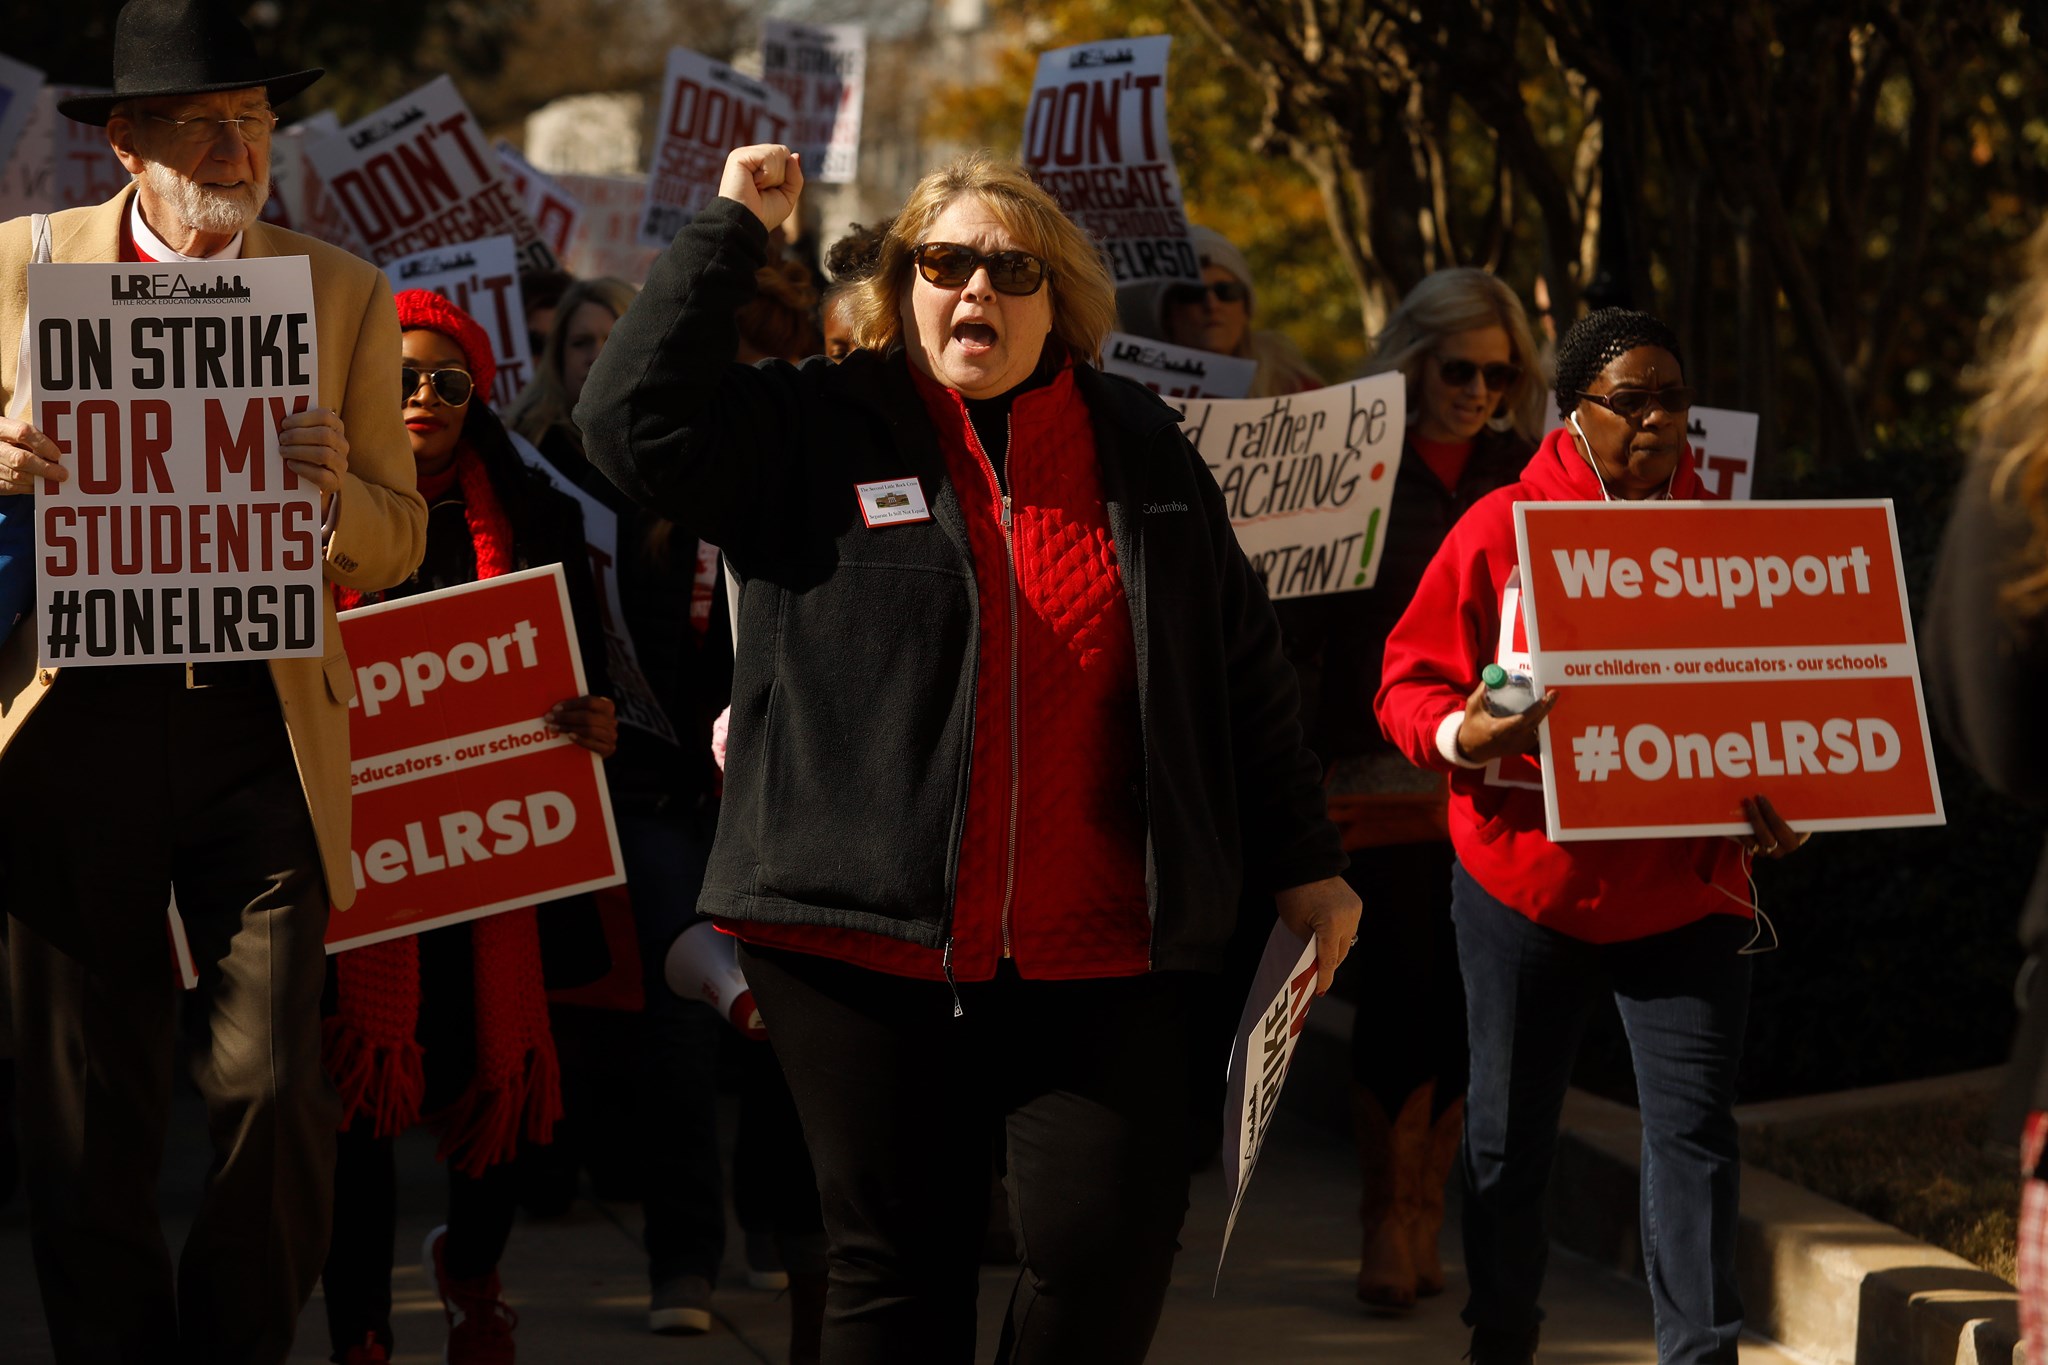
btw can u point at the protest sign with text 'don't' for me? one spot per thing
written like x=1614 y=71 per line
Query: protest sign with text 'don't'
x=1095 y=137
x=707 y=110
x=420 y=173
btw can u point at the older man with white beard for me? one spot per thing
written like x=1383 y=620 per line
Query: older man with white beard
x=226 y=783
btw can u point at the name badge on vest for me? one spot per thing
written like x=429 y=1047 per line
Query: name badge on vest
x=892 y=502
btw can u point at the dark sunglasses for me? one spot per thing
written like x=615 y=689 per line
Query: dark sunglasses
x=1498 y=376
x=454 y=387
x=1633 y=403
x=1193 y=295
x=950 y=265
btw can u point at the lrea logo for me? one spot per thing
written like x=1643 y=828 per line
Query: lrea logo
x=177 y=287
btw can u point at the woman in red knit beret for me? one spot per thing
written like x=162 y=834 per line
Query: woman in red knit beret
x=452 y=1025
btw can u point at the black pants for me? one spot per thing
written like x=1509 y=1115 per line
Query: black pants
x=1410 y=1026
x=899 y=1102
x=356 y=1281
x=774 y=1189
x=147 y=787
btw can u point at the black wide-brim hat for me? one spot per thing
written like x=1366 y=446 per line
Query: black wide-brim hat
x=182 y=47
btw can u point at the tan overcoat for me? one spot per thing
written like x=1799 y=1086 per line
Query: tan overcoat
x=379 y=533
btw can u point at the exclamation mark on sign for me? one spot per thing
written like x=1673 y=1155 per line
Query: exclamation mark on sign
x=1372 y=533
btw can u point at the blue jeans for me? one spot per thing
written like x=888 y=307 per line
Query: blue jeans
x=684 y=1192
x=1684 y=1000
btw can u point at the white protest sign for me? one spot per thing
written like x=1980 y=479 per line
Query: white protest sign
x=822 y=70
x=631 y=691
x=420 y=173
x=1095 y=137
x=608 y=237
x=1724 y=444
x=25 y=183
x=554 y=210
x=1177 y=371
x=20 y=85
x=1266 y=1035
x=707 y=109
x=298 y=193
x=87 y=171
x=181 y=536
x=58 y=163
x=1307 y=479
x=482 y=279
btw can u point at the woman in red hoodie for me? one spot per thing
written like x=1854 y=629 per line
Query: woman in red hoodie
x=1545 y=929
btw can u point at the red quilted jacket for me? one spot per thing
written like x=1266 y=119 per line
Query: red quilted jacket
x=1051 y=870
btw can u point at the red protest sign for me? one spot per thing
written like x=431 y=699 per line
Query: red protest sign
x=1711 y=651
x=464 y=802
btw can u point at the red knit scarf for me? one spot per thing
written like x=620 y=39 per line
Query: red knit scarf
x=369 y=1044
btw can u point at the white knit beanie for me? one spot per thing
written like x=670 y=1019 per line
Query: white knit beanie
x=1211 y=248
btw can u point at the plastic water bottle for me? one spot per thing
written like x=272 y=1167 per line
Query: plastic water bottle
x=1507 y=694
x=703 y=964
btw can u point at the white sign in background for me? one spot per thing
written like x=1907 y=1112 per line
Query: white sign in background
x=1307 y=479
x=181 y=536
x=419 y=173
x=553 y=209
x=26 y=183
x=1724 y=443
x=57 y=163
x=298 y=192
x=1095 y=137
x=1177 y=371
x=482 y=279
x=631 y=691
x=20 y=86
x=707 y=109
x=821 y=69
x=608 y=237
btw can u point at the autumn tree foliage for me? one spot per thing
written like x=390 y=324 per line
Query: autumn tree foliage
x=1818 y=194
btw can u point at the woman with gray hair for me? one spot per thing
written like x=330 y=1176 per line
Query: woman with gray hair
x=1011 y=730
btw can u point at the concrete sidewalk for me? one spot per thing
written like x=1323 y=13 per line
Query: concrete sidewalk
x=579 y=1283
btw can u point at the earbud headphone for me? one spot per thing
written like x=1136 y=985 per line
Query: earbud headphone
x=1586 y=453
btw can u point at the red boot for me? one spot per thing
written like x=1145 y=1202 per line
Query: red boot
x=480 y=1323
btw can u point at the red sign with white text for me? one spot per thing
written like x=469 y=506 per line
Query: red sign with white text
x=1711 y=651
x=464 y=802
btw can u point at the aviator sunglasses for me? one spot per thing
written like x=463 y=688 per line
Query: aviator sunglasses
x=1498 y=375
x=950 y=265
x=1630 y=404
x=453 y=387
